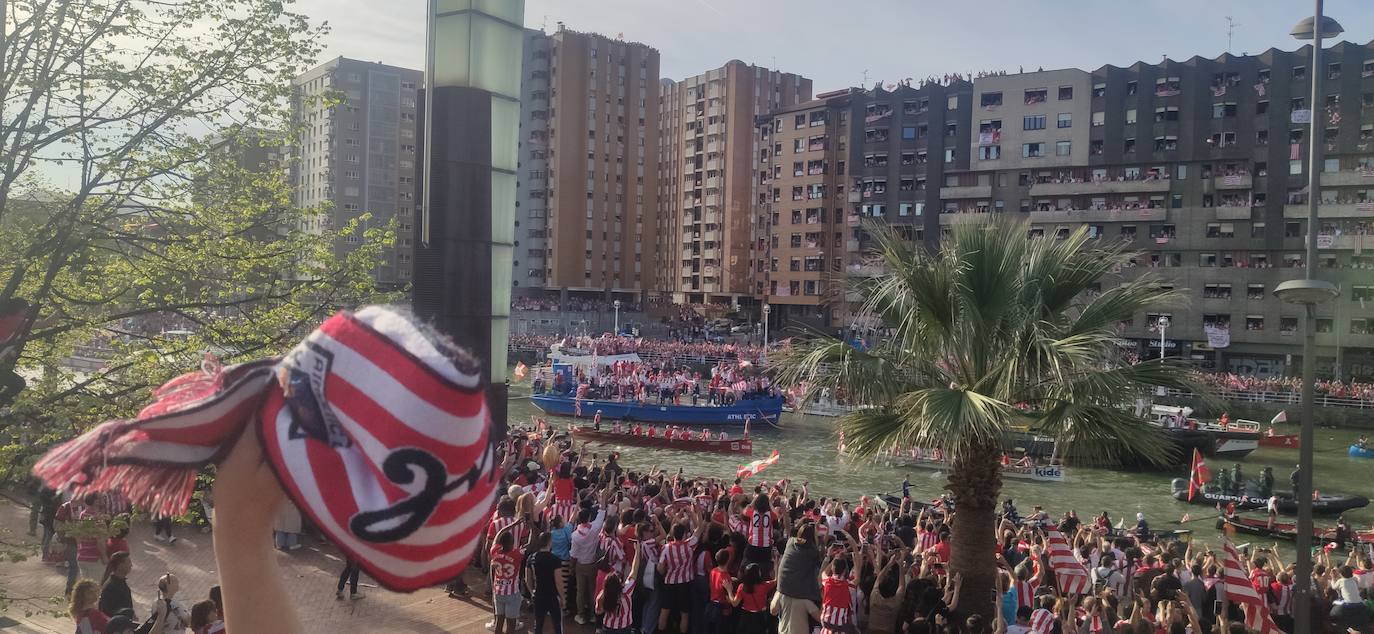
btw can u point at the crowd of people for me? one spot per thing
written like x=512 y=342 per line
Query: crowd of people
x=577 y=304
x=683 y=351
x=87 y=537
x=653 y=551
x=725 y=383
x=1285 y=384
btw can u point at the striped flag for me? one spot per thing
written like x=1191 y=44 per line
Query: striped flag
x=1042 y=621
x=758 y=465
x=1239 y=590
x=1069 y=573
x=577 y=407
x=520 y=372
x=1281 y=417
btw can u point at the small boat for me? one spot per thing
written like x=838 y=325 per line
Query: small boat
x=1280 y=530
x=1233 y=439
x=731 y=445
x=1325 y=504
x=1035 y=473
x=1361 y=452
x=1282 y=441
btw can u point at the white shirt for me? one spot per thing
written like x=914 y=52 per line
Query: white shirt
x=178 y=617
x=1349 y=588
x=584 y=540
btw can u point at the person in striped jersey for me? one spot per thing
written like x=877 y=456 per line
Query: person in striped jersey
x=506 y=561
x=840 y=598
x=675 y=564
x=615 y=604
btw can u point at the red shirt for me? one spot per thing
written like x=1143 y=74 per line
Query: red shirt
x=505 y=570
x=718 y=578
x=736 y=490
x=942 y=552
x=760 y=527
x=95 y=618
x=563 y=489
x=755 y=600
x=116 y=545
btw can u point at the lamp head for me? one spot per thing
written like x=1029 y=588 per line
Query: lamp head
x=1304 y=31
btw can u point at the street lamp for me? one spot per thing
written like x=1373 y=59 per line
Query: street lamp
x=616 y=304
x=1309 y=292
x=766 y=309
x=1163 y=324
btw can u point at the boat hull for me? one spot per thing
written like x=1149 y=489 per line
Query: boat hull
x=737 y=415
x=1281 y=441
x=1324 y=504
x=1280 y=530
x=734 y=445
x=1358 y=452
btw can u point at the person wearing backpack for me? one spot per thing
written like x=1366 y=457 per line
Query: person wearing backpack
x=173 y=614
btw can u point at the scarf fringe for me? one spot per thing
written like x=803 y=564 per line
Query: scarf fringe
x=78 y=466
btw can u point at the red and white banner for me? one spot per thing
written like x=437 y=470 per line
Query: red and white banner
x=1198 y=474
x=1069 y=573
x=1238 y=589
x=758 y=465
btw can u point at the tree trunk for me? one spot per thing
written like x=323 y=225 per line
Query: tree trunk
x=976 y=480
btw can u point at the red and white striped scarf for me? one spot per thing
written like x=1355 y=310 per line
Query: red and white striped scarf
x=376 y=428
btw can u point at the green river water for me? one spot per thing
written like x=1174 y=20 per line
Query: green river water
x=808 y=453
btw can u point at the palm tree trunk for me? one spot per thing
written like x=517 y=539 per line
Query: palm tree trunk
x=976 y=480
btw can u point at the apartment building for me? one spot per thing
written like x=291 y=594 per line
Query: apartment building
x=826 y=164
x=356 y=156
x=1201 y=165
x=588 y=183
x=706 y=177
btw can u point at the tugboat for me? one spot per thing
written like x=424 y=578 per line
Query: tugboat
x=1224 y=438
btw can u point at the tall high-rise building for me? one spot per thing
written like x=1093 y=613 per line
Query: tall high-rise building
x=825 y=165
x=588 y=187
x=357 y=154
x=707 y=174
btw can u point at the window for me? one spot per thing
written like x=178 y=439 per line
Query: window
x=1099 y=90
x=1034 y=122
x=1032 y=150
x=990 y=99
x=1223 y=110
x=1299 y=72
x=1254 y=322
x=1257 y=229
x=1166 y=113
x=951 y=129
x=1261 y=137
x=1324 y=324
x=989 y=152
x=1254 y=291
x=1128 y=146
x=1099 y=118
x=952 y=103
x=1130 y=116
x=908 y=132
x=1065 y=93
x=1035 y=96
x=1262 y=107
x=949 y=155
x=799 y=122
x=1063 y=148
x=1095 y=148
x=1128 y=232
x=1065 y=120
x=1295 y=166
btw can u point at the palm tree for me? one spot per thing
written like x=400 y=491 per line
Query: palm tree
x=994 y=331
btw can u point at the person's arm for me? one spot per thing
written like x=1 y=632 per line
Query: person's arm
x=953 y=592
x=160 y=615
x=247 y=496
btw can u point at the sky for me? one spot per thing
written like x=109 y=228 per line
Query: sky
x=835 y=42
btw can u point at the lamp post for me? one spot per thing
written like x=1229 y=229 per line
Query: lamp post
x=1309 y=292
x=1163 y=324
x=766 y=309
x=616 y=304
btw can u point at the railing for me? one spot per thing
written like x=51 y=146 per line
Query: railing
x=1279 y=398
x=646 y=356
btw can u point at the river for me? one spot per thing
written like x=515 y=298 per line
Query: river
x=808 y=453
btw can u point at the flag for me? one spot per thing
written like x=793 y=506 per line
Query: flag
x=1042 y=621
x=577 y=407
x=1198 y=474
x=1294 y=151
x=1281 y=417
x=521 y=371
x=757 y=465
x=1238 y=589
x=1069 y=573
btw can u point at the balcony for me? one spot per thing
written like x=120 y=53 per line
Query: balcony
x=1234 y=213
x=1348 y=177
x=966 y=191
x=1233 y=181
x=1091 y=215
x=1100 y=187
x=966 y=218
x=1332 y=210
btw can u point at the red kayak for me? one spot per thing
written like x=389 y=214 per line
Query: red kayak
x=732 y=445
x=1283 y=441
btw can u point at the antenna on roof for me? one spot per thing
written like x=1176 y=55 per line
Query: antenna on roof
x=865 y=81
x=1231 y=25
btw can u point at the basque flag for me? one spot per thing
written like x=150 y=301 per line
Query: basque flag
x=1198 y=475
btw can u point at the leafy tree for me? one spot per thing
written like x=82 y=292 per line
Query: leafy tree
x=131 y=222
x=992 y=332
